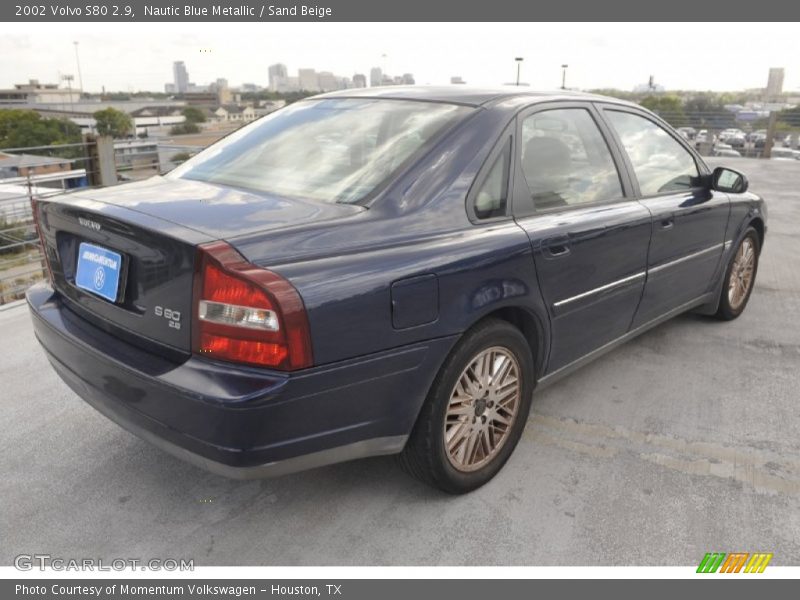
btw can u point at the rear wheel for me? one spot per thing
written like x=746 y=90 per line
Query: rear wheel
x=740 y=277
x=475 y=412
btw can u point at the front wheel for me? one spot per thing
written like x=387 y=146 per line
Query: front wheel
x=740 y=277
x=475 y=412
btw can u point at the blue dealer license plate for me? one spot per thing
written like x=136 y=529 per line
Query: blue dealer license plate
x=98 y=271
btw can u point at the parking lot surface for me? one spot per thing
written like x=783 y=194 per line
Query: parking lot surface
x=681 y=442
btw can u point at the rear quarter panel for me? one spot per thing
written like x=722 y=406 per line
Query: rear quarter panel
x=419 y=226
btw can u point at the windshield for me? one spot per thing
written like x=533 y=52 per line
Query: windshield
x=329 y=150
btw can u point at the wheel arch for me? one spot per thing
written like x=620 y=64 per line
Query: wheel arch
x=757 y=223
x=531 y=327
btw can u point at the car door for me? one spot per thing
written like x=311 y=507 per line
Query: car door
x=588 y=235
x=689 y=219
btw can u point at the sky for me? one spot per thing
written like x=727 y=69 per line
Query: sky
x=139 y=56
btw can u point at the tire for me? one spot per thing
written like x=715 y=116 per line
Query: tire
x=479 y=441
x=740 y=277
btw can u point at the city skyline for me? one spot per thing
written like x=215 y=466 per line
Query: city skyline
x=598 y=55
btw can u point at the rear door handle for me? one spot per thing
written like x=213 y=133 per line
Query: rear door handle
x=556 y=247
x=558 y=250
x=667 y=223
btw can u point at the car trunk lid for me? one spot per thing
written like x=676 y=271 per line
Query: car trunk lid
x=154 y=228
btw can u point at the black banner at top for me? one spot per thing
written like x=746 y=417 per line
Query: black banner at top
x=393 y=10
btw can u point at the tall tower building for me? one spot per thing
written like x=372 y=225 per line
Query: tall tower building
x=309 y=80
x=278 y=75
x=774 y=84
x=375 y=76
x=180 y=76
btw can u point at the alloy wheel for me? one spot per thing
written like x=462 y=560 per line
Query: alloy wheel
x=482 y=409
x=741 y=277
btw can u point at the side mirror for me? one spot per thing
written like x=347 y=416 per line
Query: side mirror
x=728 y=180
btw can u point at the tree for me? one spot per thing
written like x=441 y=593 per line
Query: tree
x=707 y=109
x=789 y=118
x=184 y=128
x=662 y=103
x=25 y=128
x=180 y=157
x=194 y=115
x=113 y=122
x=669 y=108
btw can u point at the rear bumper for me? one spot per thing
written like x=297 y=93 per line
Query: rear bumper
x=236 y=421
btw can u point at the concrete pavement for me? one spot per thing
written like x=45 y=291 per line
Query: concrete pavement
x=684 y=441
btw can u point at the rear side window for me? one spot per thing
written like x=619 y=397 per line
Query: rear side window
x=492 y=196
x=331 y=150
x=566 y=161
x=660 y=163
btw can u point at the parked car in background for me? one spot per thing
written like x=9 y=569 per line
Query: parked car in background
x=383 y=271
x=757 y=138
x=688 y=133
x=727 y=151
x=704 y=137
x=784 y=153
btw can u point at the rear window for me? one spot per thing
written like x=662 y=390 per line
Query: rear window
x=328 y=150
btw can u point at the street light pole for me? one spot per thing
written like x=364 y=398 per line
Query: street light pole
x=564 y=76
x=78 y=60
x=519 y=60
x=68 y=79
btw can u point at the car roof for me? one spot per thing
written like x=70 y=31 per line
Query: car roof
x=467 y=95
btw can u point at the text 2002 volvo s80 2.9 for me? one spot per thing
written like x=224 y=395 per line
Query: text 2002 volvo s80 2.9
x=385 y=271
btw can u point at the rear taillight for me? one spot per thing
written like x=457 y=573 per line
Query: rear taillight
x=246 y=314
x=35 y=212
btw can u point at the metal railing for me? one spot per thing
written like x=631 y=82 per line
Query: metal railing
x=709 y=126
x=21 y=260
x=35 y=176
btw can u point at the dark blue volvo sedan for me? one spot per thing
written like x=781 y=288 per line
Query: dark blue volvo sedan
x=381 y=271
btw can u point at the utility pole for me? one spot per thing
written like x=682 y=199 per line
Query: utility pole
x=771 y=126
x=519 y=60
x=564 y=76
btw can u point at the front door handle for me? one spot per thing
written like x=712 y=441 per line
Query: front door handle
x=667 y=223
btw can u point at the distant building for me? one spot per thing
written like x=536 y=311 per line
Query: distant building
x=34 y=92
x=200 y=98
x=375 y=76
x=327 y=81
x=221 y=82
x=359 y=80
x=774 y=84
x=651 y=86
x=456 y=79
x=309 y=80
x=180 y=76
x=169 y=88
x=23 y=165
x=278 y=76
x=408 y=79
x=235 y=113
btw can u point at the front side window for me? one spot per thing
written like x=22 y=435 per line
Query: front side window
x=566 y=160
x=660 y=163
x=334 y=150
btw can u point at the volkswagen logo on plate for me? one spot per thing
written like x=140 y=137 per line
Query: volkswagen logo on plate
x=99 y=278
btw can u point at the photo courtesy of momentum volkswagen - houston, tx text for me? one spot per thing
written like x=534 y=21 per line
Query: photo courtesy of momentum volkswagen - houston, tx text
x=385 y=271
